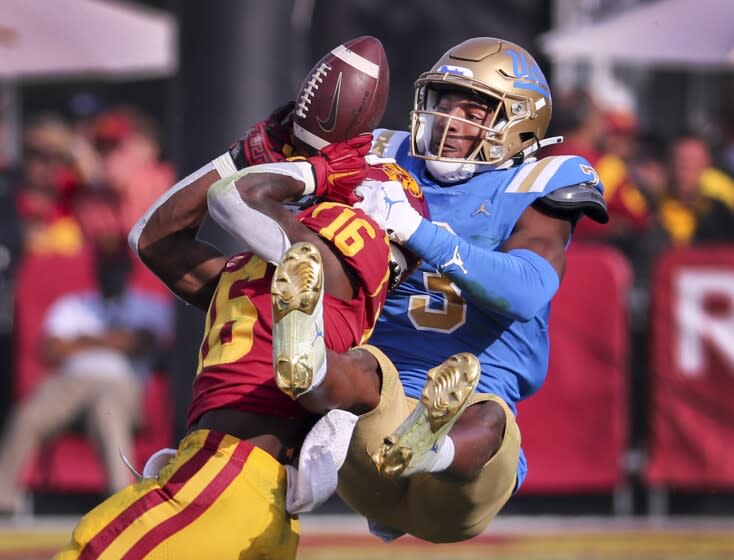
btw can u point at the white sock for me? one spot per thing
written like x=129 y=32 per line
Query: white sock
x=435 y=461
x=319 y=375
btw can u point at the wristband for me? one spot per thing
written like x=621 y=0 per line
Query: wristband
x=225 y=165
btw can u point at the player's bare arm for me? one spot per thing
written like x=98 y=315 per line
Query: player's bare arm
x=544 y=235
x=165 y=237
x=248 y=204
x=168 y=246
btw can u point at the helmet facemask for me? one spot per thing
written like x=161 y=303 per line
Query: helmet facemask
x=403 y=263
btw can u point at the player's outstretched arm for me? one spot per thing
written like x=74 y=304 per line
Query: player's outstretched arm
x=517 y=280
x=249 y=207
x=165 y=240
x=165 y=237
x=248 y=204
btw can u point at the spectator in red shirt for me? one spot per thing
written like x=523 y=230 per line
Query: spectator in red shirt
x=132 y=174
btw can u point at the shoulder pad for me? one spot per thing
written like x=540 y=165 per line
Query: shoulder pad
x=577 y=198
x=386 y=142
x=554 y=172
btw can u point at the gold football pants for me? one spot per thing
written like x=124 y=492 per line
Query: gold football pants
x=427 y=506
x=219 y=497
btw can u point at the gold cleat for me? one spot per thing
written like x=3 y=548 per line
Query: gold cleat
x=444 y=399
x=297 y=292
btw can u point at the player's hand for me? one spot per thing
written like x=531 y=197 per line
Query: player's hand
x=266 y=141
x=340 y=168
x=387 y=204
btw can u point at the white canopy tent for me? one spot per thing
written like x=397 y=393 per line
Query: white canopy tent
x=46 y=39
x=42 y=38
x=678 y=33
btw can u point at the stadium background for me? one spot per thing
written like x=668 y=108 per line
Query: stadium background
x=606 y=485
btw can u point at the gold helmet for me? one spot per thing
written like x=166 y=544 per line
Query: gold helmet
x=509 y=79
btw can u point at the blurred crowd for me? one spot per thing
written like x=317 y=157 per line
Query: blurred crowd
x=662 y=192
x=84 y=180
x=77 y=189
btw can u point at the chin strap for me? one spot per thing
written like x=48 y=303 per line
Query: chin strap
x=451 y=171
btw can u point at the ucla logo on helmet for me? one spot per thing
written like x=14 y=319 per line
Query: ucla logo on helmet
x=458 y=70
x=527 y=74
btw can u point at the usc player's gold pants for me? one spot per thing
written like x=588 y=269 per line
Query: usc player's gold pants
x=219 y=497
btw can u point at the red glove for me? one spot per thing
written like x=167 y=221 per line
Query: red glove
x=340 y=168
x=266 y=140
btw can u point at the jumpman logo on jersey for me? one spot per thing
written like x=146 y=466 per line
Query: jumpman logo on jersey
x=482 y=209
x=456 y=259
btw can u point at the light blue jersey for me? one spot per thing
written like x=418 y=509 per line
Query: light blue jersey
x=427 y=318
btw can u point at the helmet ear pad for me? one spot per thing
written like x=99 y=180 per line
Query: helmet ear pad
x=403 y=263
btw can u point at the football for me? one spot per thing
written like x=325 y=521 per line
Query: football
x=344 y=94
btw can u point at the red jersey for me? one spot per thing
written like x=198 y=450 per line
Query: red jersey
x=236 y=356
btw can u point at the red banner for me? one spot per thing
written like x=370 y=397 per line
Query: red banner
x=575 y=429
x=691 y=428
